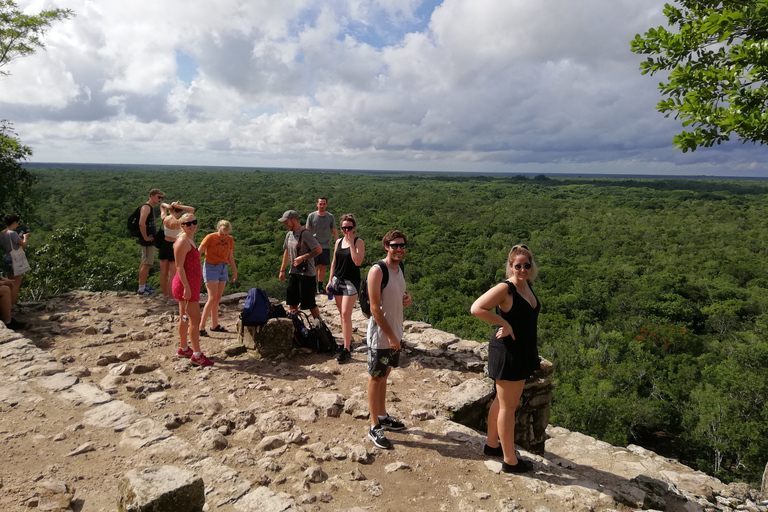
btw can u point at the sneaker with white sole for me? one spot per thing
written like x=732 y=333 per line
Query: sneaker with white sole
x=376 y=434
x=148 y=290
x=201 y=360
x=390 y=423
x=185 y=352
x=343 y=356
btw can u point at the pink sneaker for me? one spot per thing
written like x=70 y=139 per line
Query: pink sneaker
x=201 y=360
x=185 y=352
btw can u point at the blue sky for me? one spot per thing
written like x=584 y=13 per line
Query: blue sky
x=454 y=85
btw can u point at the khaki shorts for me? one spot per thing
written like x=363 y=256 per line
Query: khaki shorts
x=147 y=254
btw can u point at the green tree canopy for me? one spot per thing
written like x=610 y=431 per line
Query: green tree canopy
x=717 y=59
x=16 y=183
x=22 y=34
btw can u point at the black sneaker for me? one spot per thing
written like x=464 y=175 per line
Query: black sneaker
x=320 y=288
x=376 y=434
x=15 y=324
x=493 y=452
x=522 y=466
x=343 y=356
x=390 y=423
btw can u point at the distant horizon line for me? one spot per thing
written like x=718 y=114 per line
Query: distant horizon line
x=107 y=166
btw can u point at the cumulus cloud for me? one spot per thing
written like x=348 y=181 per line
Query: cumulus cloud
x=494 y=85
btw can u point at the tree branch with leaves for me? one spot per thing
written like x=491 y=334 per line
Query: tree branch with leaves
x=717 y=60
x=22 y=34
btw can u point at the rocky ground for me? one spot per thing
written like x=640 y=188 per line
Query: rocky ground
x=93 y=389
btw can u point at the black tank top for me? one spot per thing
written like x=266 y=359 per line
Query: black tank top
x=345 y=267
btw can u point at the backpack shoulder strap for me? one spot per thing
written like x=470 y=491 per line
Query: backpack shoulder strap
x=384 y=273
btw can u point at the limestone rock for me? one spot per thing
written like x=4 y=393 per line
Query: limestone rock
x=161 y=489
x=357 y=408
x=396 y=466
x=468 y=402
x=262 y=499
x=116 y=415
x=315 y=474
x=358 y=453
x=54 y=495
x=330 y=404
x=57 y=382
x=273 y=339
x=212 y=440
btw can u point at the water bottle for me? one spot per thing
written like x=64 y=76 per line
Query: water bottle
x=329 y=289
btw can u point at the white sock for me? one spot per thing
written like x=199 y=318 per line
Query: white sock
x=197 y=354
x=141 y=287
x=383 y=417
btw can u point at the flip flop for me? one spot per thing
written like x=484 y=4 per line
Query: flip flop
x=219 y=328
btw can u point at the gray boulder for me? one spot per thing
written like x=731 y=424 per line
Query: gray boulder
x=468 y=402
x=161 y=489
x=273 y=339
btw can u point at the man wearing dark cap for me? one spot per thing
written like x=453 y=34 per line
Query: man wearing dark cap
x=300 y=249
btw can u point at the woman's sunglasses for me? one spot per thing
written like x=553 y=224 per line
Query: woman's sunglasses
x=526 y=266
x=190 y=223
x=347 y=228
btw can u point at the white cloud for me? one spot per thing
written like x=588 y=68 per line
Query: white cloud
x=481 y=84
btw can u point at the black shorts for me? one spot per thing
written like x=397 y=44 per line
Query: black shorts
x=323 y=258
x=166 y=251
x=301 y=291
x=379 y=359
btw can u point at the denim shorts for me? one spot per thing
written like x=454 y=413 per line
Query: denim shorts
x=217 y=272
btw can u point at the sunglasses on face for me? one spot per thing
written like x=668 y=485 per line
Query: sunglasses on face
x=190 y=223
x=396 y=246
x=347 y=228
x=526 y=266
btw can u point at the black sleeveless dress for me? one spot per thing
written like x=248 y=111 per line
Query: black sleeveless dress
x=516 y=359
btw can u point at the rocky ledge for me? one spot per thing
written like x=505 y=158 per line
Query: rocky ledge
x=98 y=414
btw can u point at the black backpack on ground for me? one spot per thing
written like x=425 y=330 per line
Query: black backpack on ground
x=365 y=300
x=326 y=343
x=302 y=331
x=312 y=333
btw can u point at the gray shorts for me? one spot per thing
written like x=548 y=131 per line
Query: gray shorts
x=343 y=287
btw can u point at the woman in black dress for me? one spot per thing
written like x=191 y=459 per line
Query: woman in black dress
x=512 y=354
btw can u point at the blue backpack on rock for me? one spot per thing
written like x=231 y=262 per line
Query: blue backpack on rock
x=256 y=310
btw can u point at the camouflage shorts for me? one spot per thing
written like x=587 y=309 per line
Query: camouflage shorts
x=381 y=359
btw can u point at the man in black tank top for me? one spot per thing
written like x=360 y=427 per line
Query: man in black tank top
x=147 y=238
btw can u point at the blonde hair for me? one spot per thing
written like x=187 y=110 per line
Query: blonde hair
x=516 y=251
x=225 y=225
x=186 y=214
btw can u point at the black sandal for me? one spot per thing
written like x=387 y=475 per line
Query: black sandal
x=219 y=328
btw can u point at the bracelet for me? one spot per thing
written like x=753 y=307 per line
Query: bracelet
x=282 y=271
